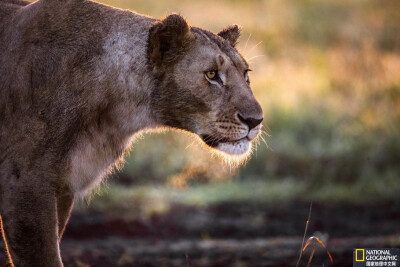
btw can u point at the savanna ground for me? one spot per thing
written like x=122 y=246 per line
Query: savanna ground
x=327 y=74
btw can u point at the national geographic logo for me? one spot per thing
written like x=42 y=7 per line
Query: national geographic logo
x=376 y=257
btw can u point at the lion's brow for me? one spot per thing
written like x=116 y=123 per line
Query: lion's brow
x=228 y=51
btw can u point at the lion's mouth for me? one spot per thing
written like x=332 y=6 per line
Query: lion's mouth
x=232 y=147
x=210 y=140
x=214 y=142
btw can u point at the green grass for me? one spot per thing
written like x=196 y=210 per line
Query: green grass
x=146 y=200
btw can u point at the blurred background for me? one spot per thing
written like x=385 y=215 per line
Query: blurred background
x=327 y=74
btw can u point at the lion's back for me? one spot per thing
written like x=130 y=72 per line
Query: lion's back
x=7 y=9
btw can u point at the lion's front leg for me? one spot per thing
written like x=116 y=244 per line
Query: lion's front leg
x=31 y=226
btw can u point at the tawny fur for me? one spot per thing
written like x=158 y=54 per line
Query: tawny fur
x=78 y=81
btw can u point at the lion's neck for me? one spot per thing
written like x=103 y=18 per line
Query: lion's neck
x=126 y=84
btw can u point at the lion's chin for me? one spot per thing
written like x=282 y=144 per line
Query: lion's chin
x=241 y=147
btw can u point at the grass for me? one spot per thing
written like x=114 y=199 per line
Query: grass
x=304 y=236
x=313 y=241
x=146 y=200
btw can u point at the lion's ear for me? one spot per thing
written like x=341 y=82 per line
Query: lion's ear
x=231 y=34
x=169 y=39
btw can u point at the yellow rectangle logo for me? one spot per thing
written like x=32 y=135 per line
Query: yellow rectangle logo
x=362 y=258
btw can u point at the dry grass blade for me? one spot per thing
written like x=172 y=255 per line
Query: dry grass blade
x=313 y=239
x=311 y=256
x=3 y=234
x=304 y=236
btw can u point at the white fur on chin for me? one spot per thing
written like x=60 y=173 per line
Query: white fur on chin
x=237 y=148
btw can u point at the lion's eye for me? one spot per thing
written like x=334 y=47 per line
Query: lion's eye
x=211 y=74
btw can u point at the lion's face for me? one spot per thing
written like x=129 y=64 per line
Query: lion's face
x=205 y=87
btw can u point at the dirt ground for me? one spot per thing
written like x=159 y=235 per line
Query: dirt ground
x=229 y=234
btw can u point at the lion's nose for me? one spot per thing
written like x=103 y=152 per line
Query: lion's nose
x=251 y=122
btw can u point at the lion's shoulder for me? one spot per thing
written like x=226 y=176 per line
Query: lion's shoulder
x=7 y=9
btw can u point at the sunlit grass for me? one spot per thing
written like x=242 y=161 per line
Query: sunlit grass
x=146 y=200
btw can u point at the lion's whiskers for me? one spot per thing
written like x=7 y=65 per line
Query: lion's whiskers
x=245 y=46
x=255 y=57
x=254 y=47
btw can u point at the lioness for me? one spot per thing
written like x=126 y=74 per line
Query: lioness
x=78 y=80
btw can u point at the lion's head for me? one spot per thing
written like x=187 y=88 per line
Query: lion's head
x=203 y=85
